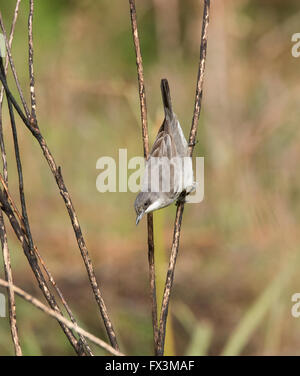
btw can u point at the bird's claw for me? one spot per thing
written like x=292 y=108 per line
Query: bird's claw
x=192 y=144
x=181 y=198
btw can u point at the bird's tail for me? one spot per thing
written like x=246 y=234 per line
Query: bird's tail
x=166 y=97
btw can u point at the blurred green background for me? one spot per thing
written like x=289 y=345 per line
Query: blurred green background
x=236 y=270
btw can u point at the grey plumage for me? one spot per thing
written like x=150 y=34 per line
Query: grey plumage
x=168 y=170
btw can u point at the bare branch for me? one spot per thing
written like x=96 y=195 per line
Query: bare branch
x=19 y=166
x=31 y=74
x=31 y=257
x=29 y=298
x=180 y=207
x=11 y=36
x=51 y=279
x=20 y=223
x=200 y=78
x=56 y=171
x=11 y=202
x=8 y=50
x=3 y=235
x=145 y=138
x=11 y=295
x=34 y=123
x=83 y=346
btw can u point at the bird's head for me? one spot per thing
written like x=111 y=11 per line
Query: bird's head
x=146 y=202
x=142 y=203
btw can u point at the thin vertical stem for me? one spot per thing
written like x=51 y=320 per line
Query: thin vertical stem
x=11 y=294
x=32 y=125
x=145 y=138
x=52 y=313
x=64 y=302
x=30 y=61
x=169 y=280
x=180 y=207
x=12 y=66
x=19 y=166
x=3 y=234
x=11 y=36
x=6 y=208
x=82 y=346
x=200 y=77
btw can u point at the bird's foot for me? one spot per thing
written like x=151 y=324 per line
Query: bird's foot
x=193 y=143
x=181 y=198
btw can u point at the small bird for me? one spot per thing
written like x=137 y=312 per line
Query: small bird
x=168 y=169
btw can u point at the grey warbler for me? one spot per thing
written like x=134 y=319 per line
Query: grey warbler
x=168 y=170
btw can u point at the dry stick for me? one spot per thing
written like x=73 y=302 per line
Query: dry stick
x=180 y=207
x=6 y=259
x=36 y=270
x=21 y=236
x=12 y=204
x=51 y=279
x=200 y=78
x=12 y=30
x=25 y=220
x=11 y=295
x=2 y=146
x=11 y=35
x=8 y=51
x=66 y=196
x=143 y=107
x=29 y=298
x=30 y=53
x=56 y=171
x=19 y=166
x=64 y=302
x=32 y=125
x=3 y=235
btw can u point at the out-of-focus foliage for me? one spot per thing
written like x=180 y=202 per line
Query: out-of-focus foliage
x=229 y=293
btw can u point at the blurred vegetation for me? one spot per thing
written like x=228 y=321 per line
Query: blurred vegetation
x=236 y=268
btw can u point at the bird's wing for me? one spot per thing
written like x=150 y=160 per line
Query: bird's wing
x=163 y=145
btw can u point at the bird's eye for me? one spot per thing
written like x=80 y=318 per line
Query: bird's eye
x=146 y=204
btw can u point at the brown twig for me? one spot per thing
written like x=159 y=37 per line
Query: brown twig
x=11 y=36
x=64 y=302
x=11 y=295
x=169 y=280
x=20 y=221
x=3 y=235
x=56 y=171
x=200 y=78
x=24 y=222
x=180 y=207
x=145 y=137
x=30 y=58
x=12 y=66
x=19 y=165
x=29 y=298
x=11 y=202
x=33 y=262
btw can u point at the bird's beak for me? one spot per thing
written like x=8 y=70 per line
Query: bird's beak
x=139 y=217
